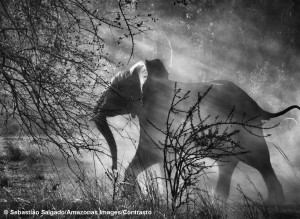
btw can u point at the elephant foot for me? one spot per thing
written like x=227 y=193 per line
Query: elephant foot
x=222 y=193
x=275 y=199
x=130 y=190
x=129 y=185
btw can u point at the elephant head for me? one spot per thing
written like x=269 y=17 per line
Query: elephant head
x=124 y=95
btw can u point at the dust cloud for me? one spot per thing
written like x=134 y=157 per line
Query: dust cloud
x=226 y=45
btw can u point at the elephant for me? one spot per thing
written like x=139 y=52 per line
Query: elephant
x=146 y=91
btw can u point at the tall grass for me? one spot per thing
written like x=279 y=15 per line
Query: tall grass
x=21 y=190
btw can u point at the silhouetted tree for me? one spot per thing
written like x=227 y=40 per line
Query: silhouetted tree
x=53 y=59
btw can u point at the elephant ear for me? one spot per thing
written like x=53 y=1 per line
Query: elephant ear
x=129 y=84
x=132 y=79
x=140 y=69
x=156 y=69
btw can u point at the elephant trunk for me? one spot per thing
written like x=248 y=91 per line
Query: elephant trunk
x=102 y=125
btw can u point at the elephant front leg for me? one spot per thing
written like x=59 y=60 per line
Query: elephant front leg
x=130 y=178
x=141 y=161
x=133 y=170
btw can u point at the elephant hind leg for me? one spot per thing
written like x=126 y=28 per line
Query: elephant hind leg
x=275 y=191
x=259 y=158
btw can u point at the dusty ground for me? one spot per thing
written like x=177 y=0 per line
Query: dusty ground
x=43 y=175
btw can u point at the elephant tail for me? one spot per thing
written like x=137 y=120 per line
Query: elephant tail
x=267 y=115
